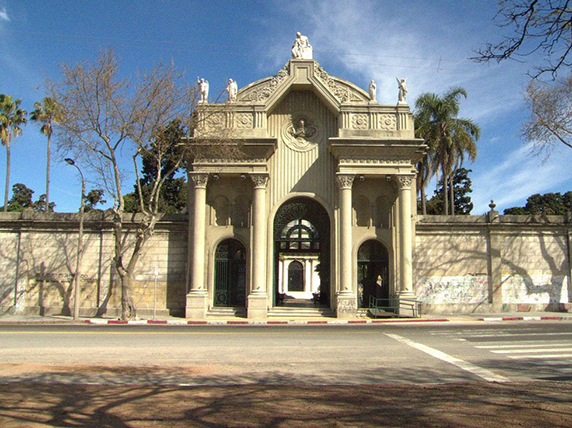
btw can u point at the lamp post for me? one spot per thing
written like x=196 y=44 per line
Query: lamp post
x=79 y=242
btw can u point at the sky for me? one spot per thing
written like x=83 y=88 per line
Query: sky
x=428 y=42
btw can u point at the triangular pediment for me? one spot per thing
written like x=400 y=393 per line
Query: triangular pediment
x=303 y=74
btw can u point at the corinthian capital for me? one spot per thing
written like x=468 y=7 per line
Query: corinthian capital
x=259 y=180
x=404 y=181
x=345 y=181
x=200 y=179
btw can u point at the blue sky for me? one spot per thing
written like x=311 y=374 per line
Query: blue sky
x=426 y=41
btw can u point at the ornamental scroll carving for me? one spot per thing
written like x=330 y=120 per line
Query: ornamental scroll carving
x=404 y=181
x=259 y=181
x=263 y=92
x=341 y=93
x=345 y=181
x=200 y=180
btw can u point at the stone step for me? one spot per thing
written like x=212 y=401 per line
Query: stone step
x=299 y=312
x=226 y=312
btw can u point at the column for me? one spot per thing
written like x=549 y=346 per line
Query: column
x=257 y=299
x=346 y=299
x=405 y=241
x=197 y=298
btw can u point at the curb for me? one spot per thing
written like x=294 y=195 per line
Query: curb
x=98 y=321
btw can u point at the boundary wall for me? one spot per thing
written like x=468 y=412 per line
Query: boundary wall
x=462 y=264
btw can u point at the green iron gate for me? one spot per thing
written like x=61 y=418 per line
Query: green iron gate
x=230 y=274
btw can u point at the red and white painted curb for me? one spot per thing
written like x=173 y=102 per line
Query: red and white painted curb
x=100 y=321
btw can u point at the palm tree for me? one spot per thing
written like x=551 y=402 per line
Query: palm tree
x=12 y=117
x=46 y=114
x=424 y=166
x=449 y=138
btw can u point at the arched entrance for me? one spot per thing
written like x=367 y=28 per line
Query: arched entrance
x=373 y=272
x=302 y=236
x=230 y=274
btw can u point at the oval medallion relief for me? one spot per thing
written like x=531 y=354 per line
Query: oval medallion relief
x=301 y=132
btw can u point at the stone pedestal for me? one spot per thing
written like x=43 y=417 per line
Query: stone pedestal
x=257 y=306
x=346 y=306
x=197 y=304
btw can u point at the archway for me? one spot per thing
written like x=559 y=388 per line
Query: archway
x=230 y=274
x=373 y=272
x=302 y=235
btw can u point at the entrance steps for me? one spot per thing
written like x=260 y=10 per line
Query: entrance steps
x=299 y=312
x=224 y=313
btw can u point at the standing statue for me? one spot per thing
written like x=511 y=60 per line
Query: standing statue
x=232 y=89
x=372 y=90
x=402 y=84
x=203 y=90
x=301 y=49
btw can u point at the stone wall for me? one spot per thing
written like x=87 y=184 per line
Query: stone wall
x=493 y=263
x=461 y=264
x=38 y=258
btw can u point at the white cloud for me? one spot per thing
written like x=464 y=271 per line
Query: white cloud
x=519 y=176
x=4 y=14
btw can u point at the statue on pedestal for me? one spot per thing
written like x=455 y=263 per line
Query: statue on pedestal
x=232 y=89
x=301 y=49
x=402 y=84
x=372 y=90
x=203 y=90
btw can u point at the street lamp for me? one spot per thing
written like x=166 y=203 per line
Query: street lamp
x=79 y=242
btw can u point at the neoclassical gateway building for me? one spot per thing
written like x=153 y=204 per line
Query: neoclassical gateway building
x=316 y=212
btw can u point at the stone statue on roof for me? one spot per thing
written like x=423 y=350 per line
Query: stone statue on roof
x=372 y=90
x=302 y=49
x=402 y=84
x=232 y=89
x=203 y=90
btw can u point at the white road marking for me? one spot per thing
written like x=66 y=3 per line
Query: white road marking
x=520 y=357
x=524 y=351
x=520 y=345
x=523 y=334
x=487 y=375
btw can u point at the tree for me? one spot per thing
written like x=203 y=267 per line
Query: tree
x=449 y=138
x=551 y=114
x=12 y=117
x=22 y=199
x=103 y=116
x=538 y=27
x=548 y=204
x=46 y=114
x=93 y=198
x=173 y=194
x=462 y=199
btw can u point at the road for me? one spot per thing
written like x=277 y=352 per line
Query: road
x=311 y=355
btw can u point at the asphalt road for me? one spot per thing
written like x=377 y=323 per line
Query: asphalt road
x=312 y=355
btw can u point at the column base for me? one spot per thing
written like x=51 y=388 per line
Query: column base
x=196 y=306
x=257 y=306
x=346 y=306
x=406 y=306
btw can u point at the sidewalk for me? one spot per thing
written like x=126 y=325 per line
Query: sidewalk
x=428 y=318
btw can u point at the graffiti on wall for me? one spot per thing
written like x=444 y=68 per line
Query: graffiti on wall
x=534 y=289
x=452 y=289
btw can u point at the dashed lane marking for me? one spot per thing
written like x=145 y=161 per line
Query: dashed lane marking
x=485 y=374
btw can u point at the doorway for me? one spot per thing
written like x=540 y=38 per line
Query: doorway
x=230 y=274
x=373 y=272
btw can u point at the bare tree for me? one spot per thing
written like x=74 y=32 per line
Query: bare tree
x=539 y=27
x=105 y=118
x=551 y=114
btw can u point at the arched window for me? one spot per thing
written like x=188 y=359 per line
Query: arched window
x=362 y=211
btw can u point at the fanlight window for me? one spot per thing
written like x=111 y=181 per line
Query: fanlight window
x=299 y=235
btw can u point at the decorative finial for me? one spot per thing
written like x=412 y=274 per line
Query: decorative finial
x=492 y=205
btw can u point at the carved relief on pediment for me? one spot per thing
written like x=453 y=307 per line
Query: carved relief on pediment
x=301 y=132
x=263 y=91
x=343 y=92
